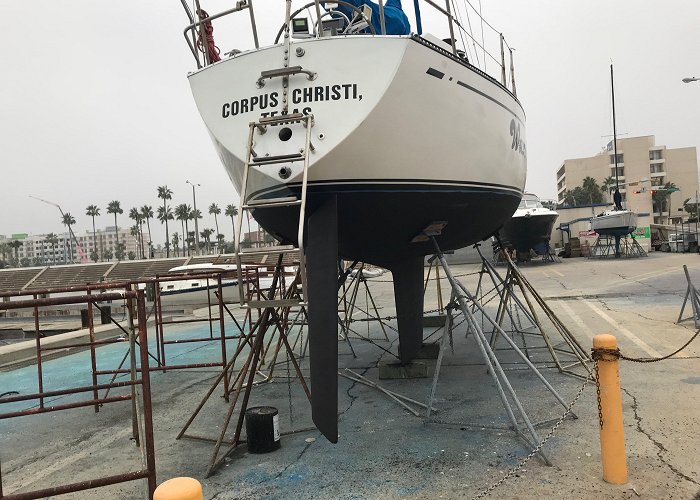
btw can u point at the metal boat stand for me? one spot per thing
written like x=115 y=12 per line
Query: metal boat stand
x=616 y=246
x=466 y=304
x=692 y=294
x=348 y=305
x=521 y=311
x=274 y=319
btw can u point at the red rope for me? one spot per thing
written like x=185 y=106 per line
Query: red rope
x=212 y=50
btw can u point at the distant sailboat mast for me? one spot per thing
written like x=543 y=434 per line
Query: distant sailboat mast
x=617 y=181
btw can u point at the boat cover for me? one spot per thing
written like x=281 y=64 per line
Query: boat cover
x=395 y=19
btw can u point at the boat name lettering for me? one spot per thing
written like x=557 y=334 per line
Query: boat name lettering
x=306 y=111
x=319 y=93
x=248 y=104
x=346 y=91
x=518 y=144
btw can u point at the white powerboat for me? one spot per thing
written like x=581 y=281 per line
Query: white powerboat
x=530 y=227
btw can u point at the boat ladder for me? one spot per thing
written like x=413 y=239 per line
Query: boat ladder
x=252 y=159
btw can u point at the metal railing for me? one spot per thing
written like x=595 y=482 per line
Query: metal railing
x=468 y=48
x=142 y=421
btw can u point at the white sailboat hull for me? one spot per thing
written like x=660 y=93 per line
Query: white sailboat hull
x=404 y=133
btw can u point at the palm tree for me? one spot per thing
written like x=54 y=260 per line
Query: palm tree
x=135 y=215
x=4 y=249
x=165 y=213
x=206 y=235
x=608 y=184
x=114 y=207
x=165 y=194
x=176 y=243
x=68 y=220
x=93 y=211
x=232 y=211
x=147 y=214
x=195 y=215
x=182 y=213
x=215 y=210
x=15 y=245
x=220 y=238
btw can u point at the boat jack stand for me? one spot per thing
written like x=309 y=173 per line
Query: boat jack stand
x=461 y=298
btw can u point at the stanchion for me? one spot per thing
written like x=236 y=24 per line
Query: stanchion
x=612 y=434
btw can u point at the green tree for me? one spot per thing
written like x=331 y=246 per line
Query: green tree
x=25 y=262
x=692 y=208
x=176 y=243
x=15 y=245
x=107 y=254
x=68 y=220
x=591 y=190
x=135 y=215
x=93 y=211
x=586 y=194
x=165 y=194
x=206 y=236
x=147 y=215
x=661 y=199
x=215 y=211
x=120 y=250
x=182 y=213
x=220 y=239
x=232 y=211
x=4 y=250
x=165 y=213
x=114 y=207
x=195 y=215
x=608 y=185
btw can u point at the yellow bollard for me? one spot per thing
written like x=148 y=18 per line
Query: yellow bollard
x=179 y=488
x=612 y=435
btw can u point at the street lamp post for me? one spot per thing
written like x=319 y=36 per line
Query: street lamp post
x=196 y=226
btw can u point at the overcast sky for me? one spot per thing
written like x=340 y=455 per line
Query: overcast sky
x=95 y=104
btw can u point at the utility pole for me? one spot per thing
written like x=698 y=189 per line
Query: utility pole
x=196 y=225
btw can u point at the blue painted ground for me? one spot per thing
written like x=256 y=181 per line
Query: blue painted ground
x=74 y=370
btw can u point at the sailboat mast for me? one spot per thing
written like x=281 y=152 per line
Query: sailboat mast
x=612 y=88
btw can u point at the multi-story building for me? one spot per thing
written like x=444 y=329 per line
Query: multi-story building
x=41 y=249
x=643 y=168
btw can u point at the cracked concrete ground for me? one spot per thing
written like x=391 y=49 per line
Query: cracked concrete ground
x=386 y=452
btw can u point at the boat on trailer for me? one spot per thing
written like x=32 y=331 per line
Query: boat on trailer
x=396 y=132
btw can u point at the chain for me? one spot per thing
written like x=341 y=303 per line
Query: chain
x=653 y=360
x=534 y=452
x=597 y=393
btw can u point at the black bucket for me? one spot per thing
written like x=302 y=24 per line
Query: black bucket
x=262 y=429
x=106 y=314
x=84 y=319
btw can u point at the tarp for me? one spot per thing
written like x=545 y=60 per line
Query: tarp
x=395 y=19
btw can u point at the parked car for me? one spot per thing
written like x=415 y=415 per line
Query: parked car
x=683 y=242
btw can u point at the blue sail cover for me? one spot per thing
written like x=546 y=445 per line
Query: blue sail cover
x=395 y=19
